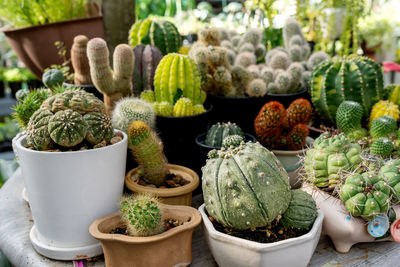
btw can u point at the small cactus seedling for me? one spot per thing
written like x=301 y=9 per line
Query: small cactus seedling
x=147 y=149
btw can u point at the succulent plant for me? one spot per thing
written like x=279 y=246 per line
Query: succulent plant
x=227 y=44
x=147 y=149
x=210 y=36
x=393 y=91
x=183 y=107
x=382 y=146
x=330 y=158
x=391 y=174
x=292 y=33
x=99 y=127
x=348 y=119
x=245 y=186
x=299 y=111
x=156 y=32
x=384 y=107
x=245 y=59
x=52 y=78
x=316 y=58
x=302 y=211
x=148 y=96
x=247 y=47
x=296 y=138
x=383 y=127
x=256 y=88
x=142 y=215
x=163 y=108
x=131 y=109
x=252 y=36
x=279 y=60
x=21 y=94
x=271 y=116
x=37 y=133
x=79 y=60
x=260 y=51
x=219 y=131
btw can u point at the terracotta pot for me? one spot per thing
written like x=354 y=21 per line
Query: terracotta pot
x=339 y=225
x=172 y=196
x=171 y=248
x=34 y=45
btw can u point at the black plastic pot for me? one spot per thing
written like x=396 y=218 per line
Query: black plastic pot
x=90 y=88
x=14 y=86
x=286 y=99
x=34 y=84
x=178 y=135
x=2 y=89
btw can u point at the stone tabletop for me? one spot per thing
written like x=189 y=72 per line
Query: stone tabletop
x=16 y=221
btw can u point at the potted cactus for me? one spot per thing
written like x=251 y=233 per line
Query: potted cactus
x=73 y=165
x=249 y=207
x=173 y=184
x=147 y=233
x=285 y=132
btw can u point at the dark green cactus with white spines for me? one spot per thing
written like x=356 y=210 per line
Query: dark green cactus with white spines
x=383 y=127
x=348 y=119
x=219 y=131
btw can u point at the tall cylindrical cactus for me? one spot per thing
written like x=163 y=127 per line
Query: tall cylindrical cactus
x=157 y=32
x=80 y=61
x=113 y=84
x=356 y=79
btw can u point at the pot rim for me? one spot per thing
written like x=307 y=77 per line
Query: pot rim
x=291 y=94
x=164 y=192
x=210 y=108
x=8 y=29
x=309 y=142
x=193 y=213
x=261 y=247
x=248 y=136
x=22 y=138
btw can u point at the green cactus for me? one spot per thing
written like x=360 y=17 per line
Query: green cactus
x=366 y=195
x=245 y=187
x=256 y=88
x=391 y=174
x=131 y=109
x=255 y=70
x=156 y=32
x=330 y=157
x=382 y=147
x=37 y=133
x=163 y=108
x=147 y=149
x=357 y=79
x=283 y=82
x=252 y=36
x=21 y=94
x=53 y=78
x=295 y=72
x=219 y=131
x=296 y=40
x=232 y=141
x=394 y=93
x=198 y=109
x=148 y=96
x=99 y=128
x=348 y=118
x=142 y=215
x=183 y=107
x=383 y=127
x=210 y=36
x=302 y=211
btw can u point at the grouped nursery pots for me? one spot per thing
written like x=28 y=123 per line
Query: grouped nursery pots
x=170 y=248
x=67 y=192
x=230 y=251
x=286 y=99
x=173 y=196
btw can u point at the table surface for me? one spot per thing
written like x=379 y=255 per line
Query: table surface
x=16 y=221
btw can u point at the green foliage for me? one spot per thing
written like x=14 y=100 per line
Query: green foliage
x=17 y=75
x=383 y=127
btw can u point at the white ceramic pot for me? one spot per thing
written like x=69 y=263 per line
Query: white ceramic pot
x=230 y=251
x=67 y=192
x=343 y=229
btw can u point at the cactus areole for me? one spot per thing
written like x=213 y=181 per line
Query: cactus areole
x=245 y=186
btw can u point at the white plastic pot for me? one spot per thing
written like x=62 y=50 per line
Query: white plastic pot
x=230 y=251
x=67 y=192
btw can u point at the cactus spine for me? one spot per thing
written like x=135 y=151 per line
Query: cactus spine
x=80 y=61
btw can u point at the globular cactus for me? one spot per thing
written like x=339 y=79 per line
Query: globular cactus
x=148 y=96
x=142 y=215
x=393 y=91
x=99 y=127
x=296 y=40
x=295 y=53
x=131 y=109
x=331 y=157
x=256 y=88
x=147 y=58
x=260 y=51
x=383 y=127
x=113 y=84
x=283 y=82
x=267 y=74
x=21 y=94
x=245 y=59
x=235 y=40
x=384 y=107
x=184 y=50
x=219 y=131
x=390 y=172
x=299 y=111
x=37 y=133
x=156 y=32
x=302 y=211
x=252 y=36
x=231 y=56
x=231 y=141
x=295 y=72
x=316 y=58
x=290 y=30
x=147 y=149
x=348 y=118
x=79 y=60
x=241 y=78
x=272 y=52
x=210 y=36
x=198 y=109
x=279 y=60
x=183 y=107
x=296 y=139
x=366 y=195
x=358 y=79
x=245 y=186
x=247 y=47
x=255 y=70
x=52 y=78
x=270 y=116
x=163 y=108
x=227 y=44
x=382 y=146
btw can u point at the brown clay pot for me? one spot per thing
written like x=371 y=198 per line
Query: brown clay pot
x=172 y=196
x=170 y=248
x=34 y=45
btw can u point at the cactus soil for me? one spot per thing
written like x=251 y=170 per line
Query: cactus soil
x=172 y=181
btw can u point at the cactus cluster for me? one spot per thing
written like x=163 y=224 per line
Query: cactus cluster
x=384 y=107
x=219 y=131
x=276 y=127
x=348 y=119
x=245 y=186
x=156 y=32
x=68 y=119
x=79 y=60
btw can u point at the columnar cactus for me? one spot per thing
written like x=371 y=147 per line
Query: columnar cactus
x=147 y=149
x=156 y=32
x=357 y=79
x=142 y=215
x=112 y=84
x=147 y=58
x=80 y=61
x=245 y=186
x=219 y=131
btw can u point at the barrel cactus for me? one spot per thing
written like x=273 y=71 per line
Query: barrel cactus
x=156 y=32
x=183 y=107
x=53 y=78
x=383 y=127
x=383 y=146
x=356 y=79
x=299 y=111
x=391 y=174
x=245 y=186
x=348 y=119
x=330 y=157
x=37 y=134
x=366 y=195
x=219 y=131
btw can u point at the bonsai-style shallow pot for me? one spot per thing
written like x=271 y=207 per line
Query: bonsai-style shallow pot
x=343 y=229
x=173 y=196
x=170 y=248
x=230 y=251
x=67 y=192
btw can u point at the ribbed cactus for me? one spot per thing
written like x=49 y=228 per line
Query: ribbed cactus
x=142 y=215
x=163 y=108
x=219 y=131
x=131 y=109
x=183 y=107
x=269 y=118
x=147 y=149
x=245 y=186
x=147 y=58
x=113 y=84
x=356 y=79
x=348 y=119
x=383 y=127
x=384 y=107
x=80 y=61
x=393 y=93
x=148 y=96
x=99 y=127
x=37 y=133
x=390 y=172
x=156 y=32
